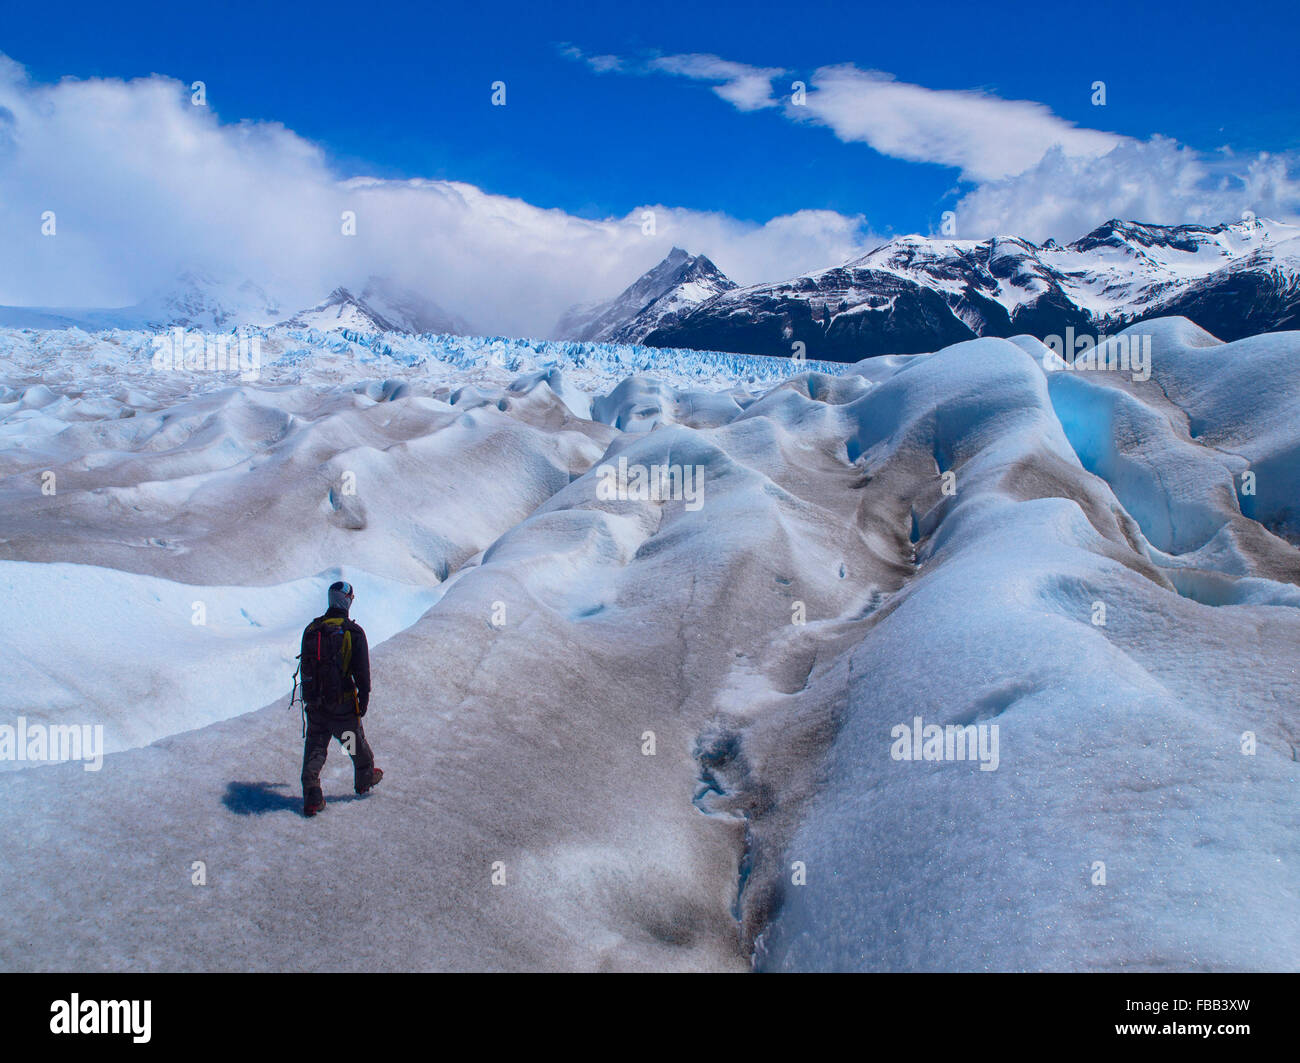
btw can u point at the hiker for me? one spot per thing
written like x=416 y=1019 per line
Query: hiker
x=335 y=694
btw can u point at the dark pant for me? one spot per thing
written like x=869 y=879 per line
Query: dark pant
x=321 y=727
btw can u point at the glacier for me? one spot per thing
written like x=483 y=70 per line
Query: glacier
x=624 y=733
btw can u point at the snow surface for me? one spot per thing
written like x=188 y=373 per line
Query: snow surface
x=95 y=657
x=946 y=525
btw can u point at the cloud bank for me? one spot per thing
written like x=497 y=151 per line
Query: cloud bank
x=983 y=136
x=143 y=184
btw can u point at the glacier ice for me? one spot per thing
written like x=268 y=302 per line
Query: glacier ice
x=963 y=536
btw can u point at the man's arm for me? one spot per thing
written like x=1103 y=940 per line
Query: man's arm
x=306 y=664
x=361 y=667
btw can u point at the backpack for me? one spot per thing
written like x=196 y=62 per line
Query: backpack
x=325 y=661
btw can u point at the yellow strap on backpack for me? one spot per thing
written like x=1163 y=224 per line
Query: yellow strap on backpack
x=338 y=621
x=346 y=662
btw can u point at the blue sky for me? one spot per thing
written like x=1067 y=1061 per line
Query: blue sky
x=401 y=89
x=510 y=214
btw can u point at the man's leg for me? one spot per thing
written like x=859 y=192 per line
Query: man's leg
x=353 y=736
x=315 y=749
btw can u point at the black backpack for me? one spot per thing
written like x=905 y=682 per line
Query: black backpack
x=325 y=661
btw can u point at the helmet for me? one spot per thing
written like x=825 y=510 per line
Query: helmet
x=341 y=595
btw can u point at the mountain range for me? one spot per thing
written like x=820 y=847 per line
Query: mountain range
x=919 y=293
x=911 y=294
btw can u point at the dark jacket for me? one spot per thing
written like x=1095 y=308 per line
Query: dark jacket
x=358 y=674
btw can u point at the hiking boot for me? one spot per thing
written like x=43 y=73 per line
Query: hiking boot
x=375 y=775
x=313 y=805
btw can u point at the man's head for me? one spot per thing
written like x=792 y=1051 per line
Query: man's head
x=341 y=595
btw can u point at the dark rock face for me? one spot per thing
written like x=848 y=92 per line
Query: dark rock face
x=835 y=312
x=848 y=314
x=1243 y=303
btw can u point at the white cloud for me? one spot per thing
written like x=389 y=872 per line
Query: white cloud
x=1154 y=181
x=144 y=184
x=602 y=64
x=747 y=88
x=983 y=136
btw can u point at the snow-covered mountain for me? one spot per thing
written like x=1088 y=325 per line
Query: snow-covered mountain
x=201 y=301
x=198 y=300
x=917 y=293
x=341 y=310
x=674 y=287
x=381 y=307
x=408 y=310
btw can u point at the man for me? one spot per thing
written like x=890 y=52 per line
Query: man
x=336 y=694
